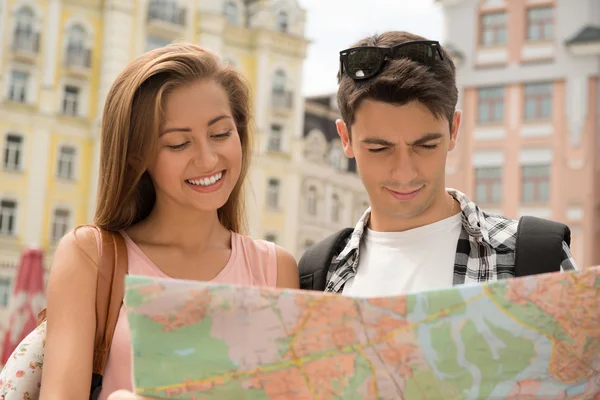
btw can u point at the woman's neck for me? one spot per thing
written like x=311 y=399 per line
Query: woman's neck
x=193 y=231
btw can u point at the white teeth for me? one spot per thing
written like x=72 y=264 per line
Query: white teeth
x=207 y=181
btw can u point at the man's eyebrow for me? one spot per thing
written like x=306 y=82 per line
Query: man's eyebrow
x=426 y=138
x=377 y=141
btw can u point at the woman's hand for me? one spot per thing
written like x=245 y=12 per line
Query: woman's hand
x=125 y=395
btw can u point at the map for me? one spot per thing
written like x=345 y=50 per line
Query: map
x=535 y=337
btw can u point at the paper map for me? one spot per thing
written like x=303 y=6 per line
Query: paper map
x=533 y=337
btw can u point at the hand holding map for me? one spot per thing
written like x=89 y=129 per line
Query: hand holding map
x=534 y=337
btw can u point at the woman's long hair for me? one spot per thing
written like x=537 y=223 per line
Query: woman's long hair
x=133 y=114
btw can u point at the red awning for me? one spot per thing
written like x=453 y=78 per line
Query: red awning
x=28 y=299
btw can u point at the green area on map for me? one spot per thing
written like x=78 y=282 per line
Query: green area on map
x=533 y=337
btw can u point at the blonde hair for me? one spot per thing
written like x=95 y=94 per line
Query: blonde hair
x=131 y=121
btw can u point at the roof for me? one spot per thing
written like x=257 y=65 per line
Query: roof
x=586 y=35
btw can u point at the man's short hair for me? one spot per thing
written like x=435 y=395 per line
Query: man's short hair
x=401 y=81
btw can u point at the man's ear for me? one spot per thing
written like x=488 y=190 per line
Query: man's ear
x=456 y=119
x=342 y=130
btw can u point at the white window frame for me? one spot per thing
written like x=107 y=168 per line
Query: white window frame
x=312 y=200
x=5 y=291
x=23 y=86
x=21 y=150
x=86 y=41
x=231 y=12
x=336 y=208
x=276 y=137
x=71 y=102
x=15 y=217
x=282 y=21
x=273 y=193
x=67 y=223
x=74 y=161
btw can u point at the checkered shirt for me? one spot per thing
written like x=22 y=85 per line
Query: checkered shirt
x=485 y=250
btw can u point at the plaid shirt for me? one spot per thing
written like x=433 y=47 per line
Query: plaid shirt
x=485 y=250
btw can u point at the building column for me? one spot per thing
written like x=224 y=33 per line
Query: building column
x=117 y=37
x=52 y=55
x=36 y=189
x=116 y=43
x=3 y=33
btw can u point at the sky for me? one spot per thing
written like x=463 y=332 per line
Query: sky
x=333 y=25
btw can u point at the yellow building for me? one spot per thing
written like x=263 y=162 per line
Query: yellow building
x=58 y=59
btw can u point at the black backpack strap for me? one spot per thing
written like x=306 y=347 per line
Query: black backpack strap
x=539 y=246
x=314 y=263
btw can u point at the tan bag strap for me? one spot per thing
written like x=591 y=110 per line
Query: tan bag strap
x=110 y=291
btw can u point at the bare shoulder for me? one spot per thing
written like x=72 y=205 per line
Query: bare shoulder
x=287 y=269
x=70 y=313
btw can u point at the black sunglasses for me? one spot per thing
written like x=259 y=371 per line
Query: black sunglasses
x=367 y=61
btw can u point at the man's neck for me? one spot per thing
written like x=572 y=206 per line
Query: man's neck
x=444 y=206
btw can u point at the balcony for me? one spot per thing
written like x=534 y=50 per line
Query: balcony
x=26 y=46
x=282 y=100
x=78 y=61
x=166 y=18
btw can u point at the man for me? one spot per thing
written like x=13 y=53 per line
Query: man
x=397 y=97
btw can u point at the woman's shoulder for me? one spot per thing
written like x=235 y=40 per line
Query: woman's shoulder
x=271 y=257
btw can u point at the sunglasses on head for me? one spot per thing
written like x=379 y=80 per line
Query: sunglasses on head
x=367 y=61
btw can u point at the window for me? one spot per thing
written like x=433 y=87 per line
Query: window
x=275 y=137
x=536 y=183
x=231 y=12
x=66 y=162
x=279 y=81
x=60 y=224
x=311 y=201
x=336 y=157
x=282 y=21
x=335 y=208
x=77 y=52
x=153 y=42
x=271 y=237
x=540 y=23
x=538 y=101
x=493 y=29
x=490 y=104
x=166 y=10
x=4 y=292
x=71 y=100
x=25 y=36
x=8 y=217
x=19 y=81
x=13 y=152
x=488 y=185
x=273 y=193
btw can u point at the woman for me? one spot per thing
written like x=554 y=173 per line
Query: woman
x=176 y=146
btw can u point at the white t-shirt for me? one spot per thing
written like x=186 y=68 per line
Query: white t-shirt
x=394 y=263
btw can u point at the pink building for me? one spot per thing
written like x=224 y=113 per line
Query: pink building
x=529 y=81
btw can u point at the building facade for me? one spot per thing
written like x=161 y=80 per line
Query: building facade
x=529 y=81
x=58 y=59
x=332 y=196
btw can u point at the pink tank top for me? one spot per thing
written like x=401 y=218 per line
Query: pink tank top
x=252 y=262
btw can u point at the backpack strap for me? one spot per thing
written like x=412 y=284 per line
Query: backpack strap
x=314 y=263
x=539 y=246
x=110 y=291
